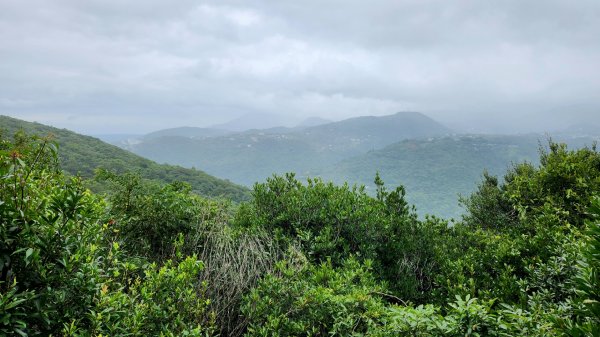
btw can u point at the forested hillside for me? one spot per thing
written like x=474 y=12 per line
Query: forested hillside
x=299 y=259
x=188 y=132
x=436 y=171
x=252 y=156
x=83 y=155
x=406 y=149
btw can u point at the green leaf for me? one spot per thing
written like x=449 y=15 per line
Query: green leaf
x=28 y=253
x=14 y=303
x=21 y=332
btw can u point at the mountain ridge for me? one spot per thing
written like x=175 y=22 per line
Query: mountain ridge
x=82 y=155
x=251 y=156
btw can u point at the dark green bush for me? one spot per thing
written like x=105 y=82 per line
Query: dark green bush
x=332 y=223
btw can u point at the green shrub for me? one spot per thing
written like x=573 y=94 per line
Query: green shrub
x=586 y=319
x=150 y=217
x=331 y=223
x=61 y=266
x=163 y=302
x=301 y=299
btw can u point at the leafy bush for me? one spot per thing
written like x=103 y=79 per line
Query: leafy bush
x=160 y=303
x=331 y=223
x=464 y=317
x=59 y=262
x=301 y=299
x=150 y=217
x=520 y=238
x=586 y=321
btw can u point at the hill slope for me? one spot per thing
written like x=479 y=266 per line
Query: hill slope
x=81 y=154
x=369 y=132
x=435 y=171
x=187 y=131
x=252 y=156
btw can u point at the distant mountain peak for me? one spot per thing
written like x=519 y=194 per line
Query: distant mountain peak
x=313 y=121
x=250 y=121
x=410 y=114
x=413 y=123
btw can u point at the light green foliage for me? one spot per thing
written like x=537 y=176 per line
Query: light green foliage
x=159 y=303
x=527 y=242
x=301 y=299
x=47 y=227
x=586 y=321
x=464 y=317
x=149 y=216
x=58 y=259
x=563 y=186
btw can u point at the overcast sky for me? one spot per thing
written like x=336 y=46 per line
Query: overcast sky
x=114 y=66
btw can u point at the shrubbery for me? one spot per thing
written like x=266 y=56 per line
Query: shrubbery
x=299 y=259
x=62 y=269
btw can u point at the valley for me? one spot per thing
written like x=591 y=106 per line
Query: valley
x=434 y=163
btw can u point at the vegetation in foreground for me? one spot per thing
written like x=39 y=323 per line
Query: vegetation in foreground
x=313 y=259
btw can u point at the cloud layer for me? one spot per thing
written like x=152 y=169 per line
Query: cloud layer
x=109 y=66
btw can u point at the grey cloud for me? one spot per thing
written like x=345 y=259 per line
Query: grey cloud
x=136 y=66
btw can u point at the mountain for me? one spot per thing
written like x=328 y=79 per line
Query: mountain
x=243 y=158
x=81 y=154
x=253 y=121
x=252 y=156
x=115 y=138
x=370 y=132
x=187 y=131
x=313 y=121
x=435 y=171
x=582 y=130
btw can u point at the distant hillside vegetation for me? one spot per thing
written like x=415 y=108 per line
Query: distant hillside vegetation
x=372 y=132
x=187 y=131
x=81 y=154
x=435 y=171
x=252 y=156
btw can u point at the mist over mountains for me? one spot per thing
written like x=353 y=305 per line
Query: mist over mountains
x=435 y=163
x=251 y=156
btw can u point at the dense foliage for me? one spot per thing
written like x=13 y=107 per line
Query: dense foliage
x=298 y=259
x=337 y=222
x=63 y=271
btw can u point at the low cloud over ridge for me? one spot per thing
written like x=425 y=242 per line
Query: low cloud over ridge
x=112 y=66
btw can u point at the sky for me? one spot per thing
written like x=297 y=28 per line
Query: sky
x=113 y=66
